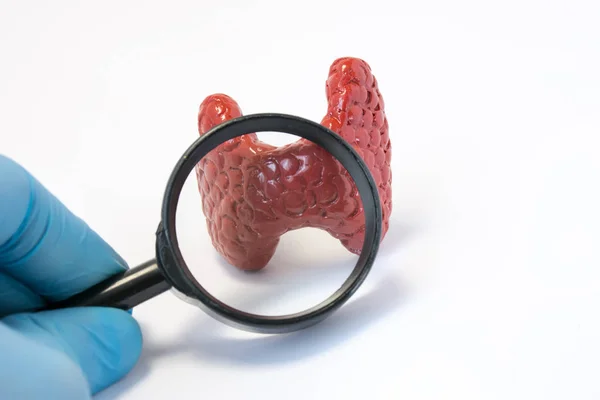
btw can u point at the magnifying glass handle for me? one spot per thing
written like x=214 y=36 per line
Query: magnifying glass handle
x=124 y=290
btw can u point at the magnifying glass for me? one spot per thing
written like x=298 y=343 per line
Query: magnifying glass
x=170 y=270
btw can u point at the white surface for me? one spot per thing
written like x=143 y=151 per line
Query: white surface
x=488 y=285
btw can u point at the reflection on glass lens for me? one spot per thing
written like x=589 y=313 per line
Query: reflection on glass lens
x=270 y=229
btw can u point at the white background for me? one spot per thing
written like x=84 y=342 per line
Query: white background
x=488 y=285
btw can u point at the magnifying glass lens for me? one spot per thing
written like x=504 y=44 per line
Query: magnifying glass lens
x=265 y=238
x=270 y=224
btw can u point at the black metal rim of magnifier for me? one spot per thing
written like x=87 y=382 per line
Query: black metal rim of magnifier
x=177 y=273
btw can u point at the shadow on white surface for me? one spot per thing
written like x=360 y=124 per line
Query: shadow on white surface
x=357 y=315
x=212 y=346
x=397 y=237
x=211 y=342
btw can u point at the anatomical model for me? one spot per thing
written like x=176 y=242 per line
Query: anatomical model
x=252 y=192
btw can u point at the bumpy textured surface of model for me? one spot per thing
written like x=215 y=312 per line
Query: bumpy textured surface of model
x=252 y=192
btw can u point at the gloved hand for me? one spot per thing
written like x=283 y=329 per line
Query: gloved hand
x=48 y=254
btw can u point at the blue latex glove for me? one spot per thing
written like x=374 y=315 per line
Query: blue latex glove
x=48 y=254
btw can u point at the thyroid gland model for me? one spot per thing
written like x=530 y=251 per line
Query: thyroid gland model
x=252 y=192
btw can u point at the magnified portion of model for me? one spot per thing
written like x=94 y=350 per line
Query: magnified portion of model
x=252 y=192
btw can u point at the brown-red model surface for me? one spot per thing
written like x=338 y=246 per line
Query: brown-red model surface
x=252 y=192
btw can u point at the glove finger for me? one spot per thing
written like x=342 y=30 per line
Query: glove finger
x=30 y=370
x=45 y=246
x=106 y=343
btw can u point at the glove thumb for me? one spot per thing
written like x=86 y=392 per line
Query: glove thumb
x=104 y=343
